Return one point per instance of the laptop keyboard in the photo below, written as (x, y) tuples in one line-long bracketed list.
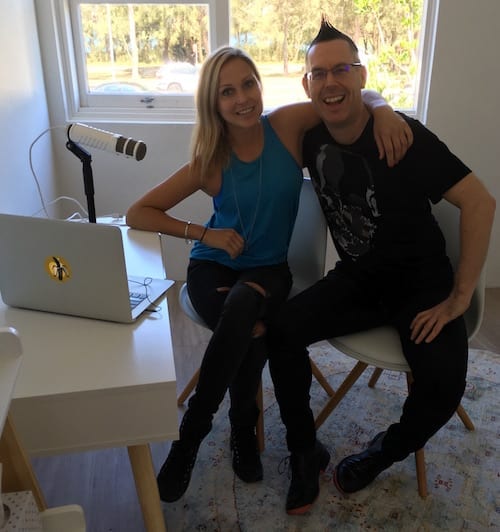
[(136, 298)]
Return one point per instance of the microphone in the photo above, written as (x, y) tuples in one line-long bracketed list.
[(107, 141)]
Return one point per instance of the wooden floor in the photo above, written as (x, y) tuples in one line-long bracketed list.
[(102, 483)]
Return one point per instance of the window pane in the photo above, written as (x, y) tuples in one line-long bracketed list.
[(146, 56), (137, 48), (276, 34)]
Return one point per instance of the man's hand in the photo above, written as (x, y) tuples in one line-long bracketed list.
[(392, 134), (428, 324)]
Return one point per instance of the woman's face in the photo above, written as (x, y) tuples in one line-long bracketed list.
[(239, 97)]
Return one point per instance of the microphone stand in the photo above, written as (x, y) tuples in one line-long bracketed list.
[(88, 179)]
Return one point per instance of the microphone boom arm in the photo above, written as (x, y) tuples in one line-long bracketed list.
[(88, 179)]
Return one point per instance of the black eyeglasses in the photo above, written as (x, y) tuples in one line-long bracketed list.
[(338, 71)]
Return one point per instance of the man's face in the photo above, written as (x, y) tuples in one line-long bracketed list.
[(334, 84)]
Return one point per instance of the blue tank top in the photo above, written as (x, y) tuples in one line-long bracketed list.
[(259, 199)]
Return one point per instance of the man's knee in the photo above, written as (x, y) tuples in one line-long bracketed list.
[(283, 331)]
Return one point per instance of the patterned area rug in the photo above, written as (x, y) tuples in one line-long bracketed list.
[(462, 466)]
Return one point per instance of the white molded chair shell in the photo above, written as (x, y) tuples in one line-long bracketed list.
[(60, 519), (188, 308), (10, 361), (69, 518), (10, 343)]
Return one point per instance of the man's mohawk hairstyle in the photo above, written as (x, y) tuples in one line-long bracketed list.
[(328, 32)]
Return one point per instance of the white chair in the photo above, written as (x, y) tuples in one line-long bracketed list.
[(306, 258), (18, 474), (69, 518), (381, 347)]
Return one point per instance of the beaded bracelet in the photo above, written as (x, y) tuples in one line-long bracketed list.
[(186, 239)]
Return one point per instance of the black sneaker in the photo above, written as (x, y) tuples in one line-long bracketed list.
[(304, 487), (175, 474), (246, 455), (358, 470)]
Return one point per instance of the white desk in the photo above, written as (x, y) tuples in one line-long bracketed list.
[(87, 384)]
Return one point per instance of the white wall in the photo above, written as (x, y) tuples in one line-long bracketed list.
[(464, 105), (23, 111), (463, 111)]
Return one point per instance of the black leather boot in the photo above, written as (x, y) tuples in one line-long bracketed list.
[(175, 473), (358, 470), (246, 455), (304, 487)]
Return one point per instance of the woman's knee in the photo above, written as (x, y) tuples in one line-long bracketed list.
[(243, 305)]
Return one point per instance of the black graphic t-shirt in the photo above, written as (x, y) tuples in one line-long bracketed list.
[(380, 217)]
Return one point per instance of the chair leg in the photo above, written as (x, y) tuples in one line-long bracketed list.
[(419, 456), (18, 474), (260, 420), (339, 394), (462, 414), (420, 459), (321, 378), (375, 376), (190, 386), (421, 473)]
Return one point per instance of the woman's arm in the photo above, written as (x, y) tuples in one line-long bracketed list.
[(149, 214), (392, 134)]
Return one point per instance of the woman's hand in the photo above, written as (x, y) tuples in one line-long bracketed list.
[(227, 239), (392, 134)]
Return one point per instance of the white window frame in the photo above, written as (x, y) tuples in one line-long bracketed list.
[(67, 66)]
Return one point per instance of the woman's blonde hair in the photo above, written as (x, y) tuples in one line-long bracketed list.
[(210, 148)]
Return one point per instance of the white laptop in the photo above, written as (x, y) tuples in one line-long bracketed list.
[(74, 268)]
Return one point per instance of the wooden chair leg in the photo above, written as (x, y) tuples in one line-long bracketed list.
[(18, 474), (339, 394), (375, 376), (419, 456), (462, 414), (421, 473), (190, 386), (260, 419), (321, 378)]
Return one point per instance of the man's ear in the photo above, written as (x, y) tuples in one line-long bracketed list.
[(305, 84), (364, 76)]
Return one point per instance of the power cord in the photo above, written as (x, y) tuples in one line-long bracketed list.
[(145, 284)]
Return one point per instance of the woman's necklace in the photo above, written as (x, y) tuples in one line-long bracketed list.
[(247, 231)]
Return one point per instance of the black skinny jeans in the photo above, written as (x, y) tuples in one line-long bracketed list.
[(343, 303), (233, 359)]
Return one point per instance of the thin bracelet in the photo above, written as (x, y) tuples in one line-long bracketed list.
[(186, 239), (203, 234)]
